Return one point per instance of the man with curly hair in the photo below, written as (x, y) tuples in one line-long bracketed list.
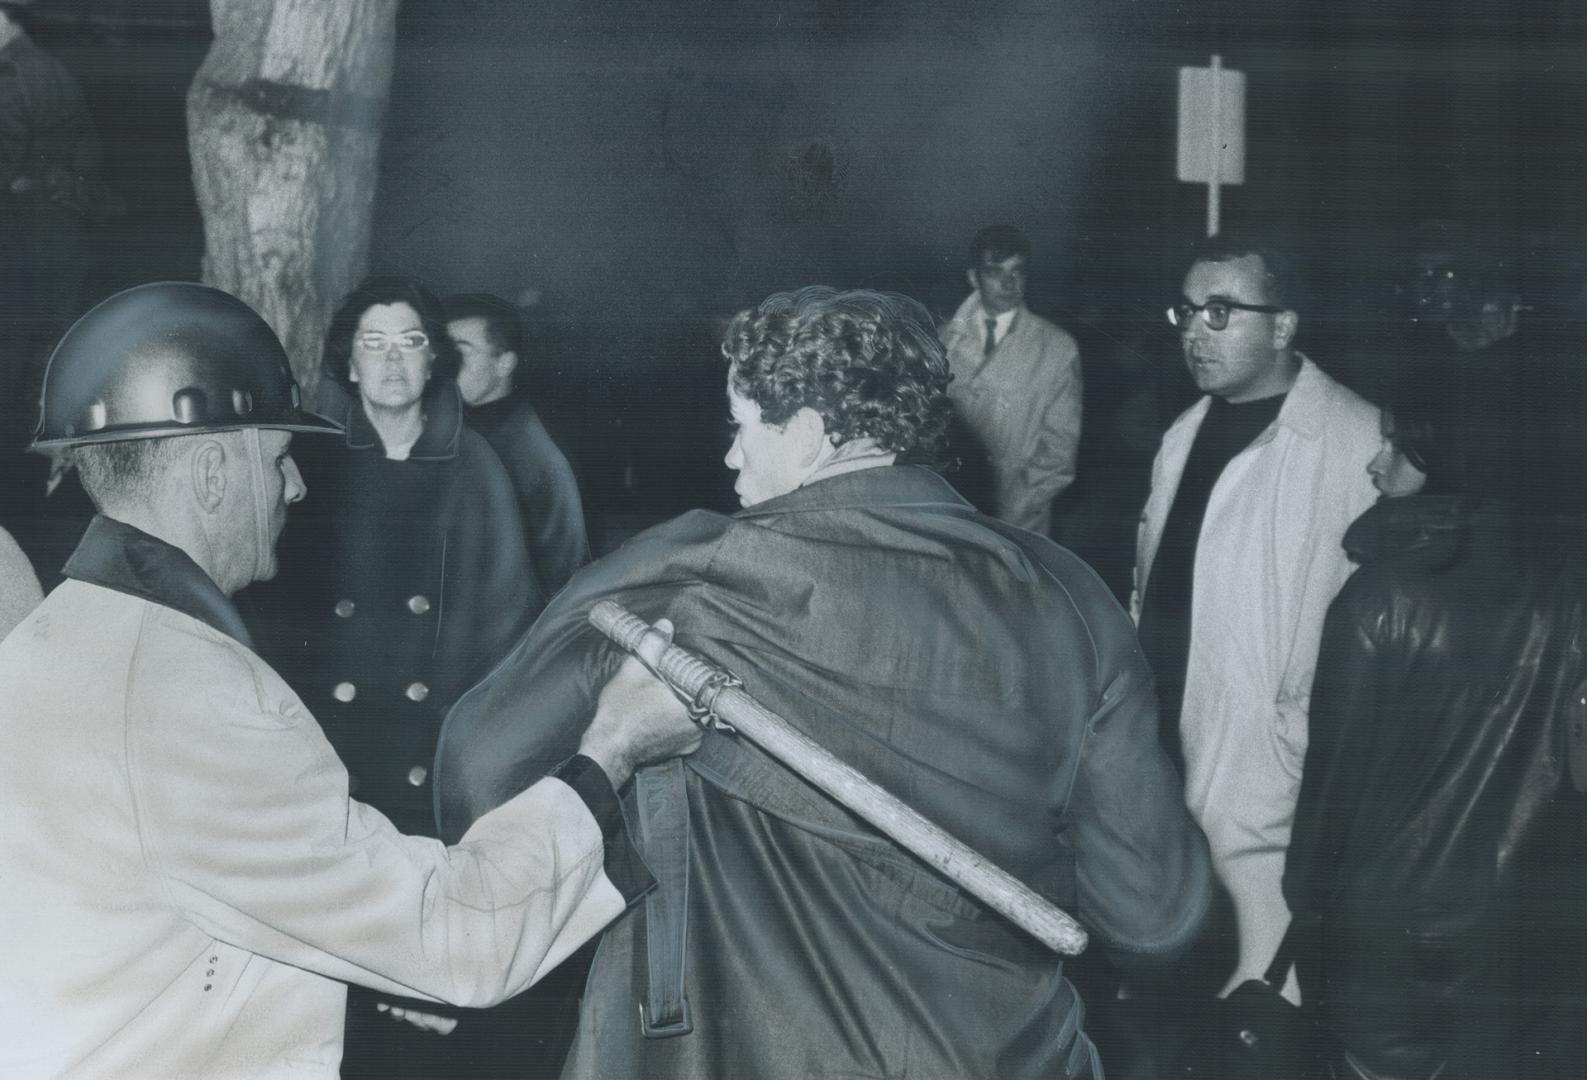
[(975, 670)]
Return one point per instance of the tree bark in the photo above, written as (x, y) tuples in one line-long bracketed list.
[(284, 120)]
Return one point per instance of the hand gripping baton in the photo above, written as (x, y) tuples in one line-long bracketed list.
[(717, 699)]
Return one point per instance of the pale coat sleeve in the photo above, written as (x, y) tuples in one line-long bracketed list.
[(1050, 468), (1346, 493), (243, 812), (19, 586)]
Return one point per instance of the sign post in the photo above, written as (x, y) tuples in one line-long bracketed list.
[(1212, 131)]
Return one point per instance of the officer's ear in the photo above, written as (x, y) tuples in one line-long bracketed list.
[(506, 363), (207, 473)]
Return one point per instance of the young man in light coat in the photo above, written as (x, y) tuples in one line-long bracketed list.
[(1017, 386), (1274, 468)]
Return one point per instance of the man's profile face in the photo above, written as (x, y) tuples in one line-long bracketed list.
[(1000, 283), (765, 457), (283, 486), (1247, 359), (479, 375), (249, 521)]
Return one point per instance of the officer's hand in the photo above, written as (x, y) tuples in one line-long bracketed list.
[(441, 1025), (638, 719)]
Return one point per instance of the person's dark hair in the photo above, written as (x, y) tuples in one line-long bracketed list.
[(387, 289), (504, 326), (1284, 285), (996, 243), (1497, 430), (1427, 429), (869, 363)]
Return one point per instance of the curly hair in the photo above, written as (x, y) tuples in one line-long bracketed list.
[(869, 363), (336, 357)]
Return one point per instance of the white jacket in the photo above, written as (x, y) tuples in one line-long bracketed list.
[(185, 884), (1268, 563), (19, 586)]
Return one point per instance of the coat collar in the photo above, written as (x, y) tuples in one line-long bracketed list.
[(883, 486), (1413, 523), (443, 424), (1305, 408), (115, 555)]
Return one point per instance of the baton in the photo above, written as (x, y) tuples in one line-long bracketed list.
[(715, 696)]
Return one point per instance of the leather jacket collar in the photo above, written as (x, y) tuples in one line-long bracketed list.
[(1429, 524), (115, 555)]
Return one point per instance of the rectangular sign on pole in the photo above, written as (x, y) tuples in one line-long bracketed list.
[(1212, 125), (1212, 131)]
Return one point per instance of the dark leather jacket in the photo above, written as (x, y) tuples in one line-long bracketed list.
[(973, 668), (1439, 853)]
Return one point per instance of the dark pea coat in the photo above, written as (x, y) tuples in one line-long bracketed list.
[(401, 583)]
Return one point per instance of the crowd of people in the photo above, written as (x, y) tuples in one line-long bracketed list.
[(317, 705)]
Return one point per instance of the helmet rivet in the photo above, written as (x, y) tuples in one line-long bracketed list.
[(241, 402), (189, 405)]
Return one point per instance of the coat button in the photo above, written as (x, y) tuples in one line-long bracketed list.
[(417, 775), (344, 692), (417, 691), (418, 604), (345, 608)]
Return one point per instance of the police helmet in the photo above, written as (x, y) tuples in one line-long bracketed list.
[(168, 358)]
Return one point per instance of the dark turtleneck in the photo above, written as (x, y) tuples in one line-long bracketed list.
[(1165, 608)]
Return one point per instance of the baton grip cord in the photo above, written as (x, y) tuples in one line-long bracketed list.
[(698, 682)]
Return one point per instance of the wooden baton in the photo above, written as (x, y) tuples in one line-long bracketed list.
[(699, 681)]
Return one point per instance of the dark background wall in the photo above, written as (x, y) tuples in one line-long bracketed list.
[(633, 171)]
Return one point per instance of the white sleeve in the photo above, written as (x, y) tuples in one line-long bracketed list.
[(244, 813)]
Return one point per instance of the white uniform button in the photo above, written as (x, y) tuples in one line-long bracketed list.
[(417, 691), (345, 608), (418, 604), (417, 774), (344, 692)]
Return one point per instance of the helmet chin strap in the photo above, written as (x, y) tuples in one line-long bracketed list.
[(261, 511)]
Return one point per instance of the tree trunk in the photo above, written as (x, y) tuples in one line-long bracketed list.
[(284, 120)]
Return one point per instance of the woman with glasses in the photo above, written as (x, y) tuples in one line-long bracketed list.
[(407, 578)]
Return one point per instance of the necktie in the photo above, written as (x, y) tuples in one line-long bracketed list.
[(991, 336)]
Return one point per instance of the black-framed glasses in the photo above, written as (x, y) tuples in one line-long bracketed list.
[(375, 341), (1215, 313)]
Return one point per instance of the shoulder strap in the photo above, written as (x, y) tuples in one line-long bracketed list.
[(664, 840)]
